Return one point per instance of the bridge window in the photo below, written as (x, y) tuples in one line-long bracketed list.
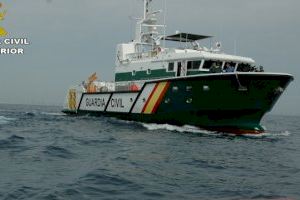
[(171, 67), (189, 65), (193, 65), (209, 63), (244, 67), (196, 64), (229, 67)]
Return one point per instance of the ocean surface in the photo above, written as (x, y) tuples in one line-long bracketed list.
[(47, 155)]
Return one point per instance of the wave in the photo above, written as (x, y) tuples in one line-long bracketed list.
[(59, 152), (6, 120), (53, 113), (20, 192), (33, 114), (270, 134), (11, 142), (30, 114), (193, 129), (180, 129)]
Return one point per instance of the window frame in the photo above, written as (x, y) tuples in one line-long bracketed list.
[(168, 67), (192, 65), (211, 60), (243, 63), (235, 65), (148, 71), (133, 73)]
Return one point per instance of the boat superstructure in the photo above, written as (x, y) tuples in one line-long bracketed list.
[(147, 58), (187, 84)]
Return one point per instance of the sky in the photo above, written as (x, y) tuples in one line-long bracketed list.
[(71, 39)]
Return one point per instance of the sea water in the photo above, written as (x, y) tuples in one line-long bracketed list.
[(45, 154)]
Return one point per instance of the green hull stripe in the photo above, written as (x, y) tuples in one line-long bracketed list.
[(155, 74), (142, 75)]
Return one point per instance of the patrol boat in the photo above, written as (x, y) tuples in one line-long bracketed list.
[(184, 85)]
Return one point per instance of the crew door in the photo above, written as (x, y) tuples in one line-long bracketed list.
[(181, 68), (178, 69)]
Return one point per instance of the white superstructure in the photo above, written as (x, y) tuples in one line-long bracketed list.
[(147, 58)]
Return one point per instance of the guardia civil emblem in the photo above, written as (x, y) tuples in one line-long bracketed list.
[(3, 32)]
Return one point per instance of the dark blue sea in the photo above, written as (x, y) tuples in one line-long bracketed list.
[(47, 155)]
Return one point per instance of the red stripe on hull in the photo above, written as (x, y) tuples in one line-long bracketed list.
[(161, 97), (149, 98)]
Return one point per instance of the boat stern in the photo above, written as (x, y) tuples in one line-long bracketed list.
[(72, 100)]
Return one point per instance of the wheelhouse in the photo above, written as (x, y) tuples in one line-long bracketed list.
[(154, 55)]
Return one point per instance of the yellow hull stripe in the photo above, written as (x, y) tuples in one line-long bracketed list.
[(155, 97)]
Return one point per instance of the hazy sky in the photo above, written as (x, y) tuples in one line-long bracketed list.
[(70, 39)]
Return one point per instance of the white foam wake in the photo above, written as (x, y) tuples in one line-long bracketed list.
[(5, 120), (270, 134), (53, 114), (193, 129), (180, 129)]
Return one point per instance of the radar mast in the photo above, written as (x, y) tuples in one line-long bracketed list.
[(147, 27)]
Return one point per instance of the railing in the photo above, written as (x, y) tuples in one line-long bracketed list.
[(139, 56), (129, 86)]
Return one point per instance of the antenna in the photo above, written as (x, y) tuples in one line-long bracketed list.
[(165, 27), (131, 20), (164, 42), (146, 8)]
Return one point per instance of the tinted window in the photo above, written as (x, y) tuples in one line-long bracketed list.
[(208, 63), (193, 64), (229, 66), (196, 64), (171, 67), (189, 65), (244, 67)]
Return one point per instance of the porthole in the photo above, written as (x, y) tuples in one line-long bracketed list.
[(175, 89), (189, 88), (206, 88), (167, 101), (189, 100)]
